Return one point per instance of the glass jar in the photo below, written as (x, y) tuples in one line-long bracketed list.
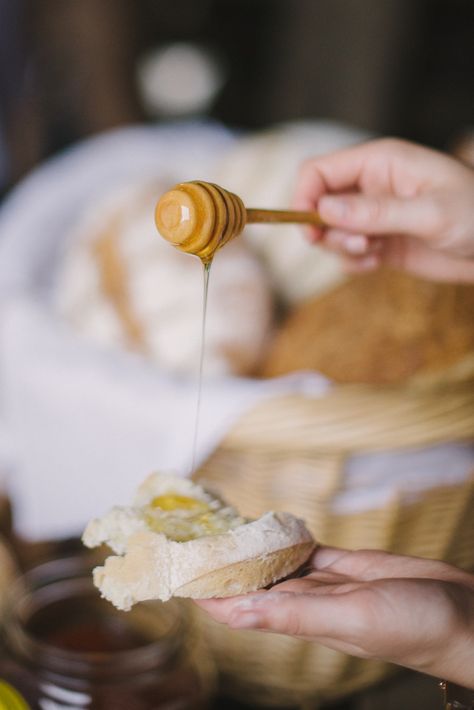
[(65, 647)]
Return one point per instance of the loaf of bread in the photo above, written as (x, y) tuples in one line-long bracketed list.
[(121, 284), (180, 540), (383, 327)]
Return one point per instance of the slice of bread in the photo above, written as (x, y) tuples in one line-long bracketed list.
[(180, 540)]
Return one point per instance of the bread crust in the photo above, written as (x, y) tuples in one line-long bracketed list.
[(149, 565), (245, 559)]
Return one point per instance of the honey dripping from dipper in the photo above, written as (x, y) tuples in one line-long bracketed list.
[(199, 218)]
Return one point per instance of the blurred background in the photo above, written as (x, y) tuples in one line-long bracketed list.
[(70, 69), (100, 320)]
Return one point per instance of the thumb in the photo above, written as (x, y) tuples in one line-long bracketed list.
[(379, 214)]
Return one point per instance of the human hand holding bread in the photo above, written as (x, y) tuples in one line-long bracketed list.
[(180, 540), (415, 612)]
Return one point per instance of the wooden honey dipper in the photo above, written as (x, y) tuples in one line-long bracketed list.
[(200, 217)]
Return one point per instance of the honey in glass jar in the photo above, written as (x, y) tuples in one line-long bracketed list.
[(65, 647)]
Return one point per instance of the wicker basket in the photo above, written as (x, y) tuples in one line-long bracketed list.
[(290, 455)]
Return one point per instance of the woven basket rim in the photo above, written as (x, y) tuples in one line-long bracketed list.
[(431, 409)]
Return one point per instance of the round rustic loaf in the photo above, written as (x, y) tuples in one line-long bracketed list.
[(382, 327), (121, 284)]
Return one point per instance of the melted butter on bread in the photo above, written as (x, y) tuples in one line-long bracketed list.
[(182, 518), (179, 539), (169, 505), (173, 501)]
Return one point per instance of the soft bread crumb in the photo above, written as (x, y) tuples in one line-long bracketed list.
[(149, 565)]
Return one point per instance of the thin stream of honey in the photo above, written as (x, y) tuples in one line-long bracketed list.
[(206, 272)]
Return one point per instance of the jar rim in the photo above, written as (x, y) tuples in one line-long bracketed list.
[(21, 606)]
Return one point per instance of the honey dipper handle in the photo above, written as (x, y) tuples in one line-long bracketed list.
[(292, 216)]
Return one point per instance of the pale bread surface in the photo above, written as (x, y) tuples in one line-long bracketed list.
[(245, 559)]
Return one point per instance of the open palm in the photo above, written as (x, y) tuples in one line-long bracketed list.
[(415, 612)]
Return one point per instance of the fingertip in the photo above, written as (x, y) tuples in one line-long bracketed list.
[(309, 185), (211, 607), (313, 235), (324, 556), (333, 208), (219, 609), (363, 264), (347, 242), (302, 202), (356, 244), (241, 619)]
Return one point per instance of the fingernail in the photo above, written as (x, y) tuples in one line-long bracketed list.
[(259, 600), (245, 620), (312, 234), (332, 206), (369, 262), (247, 603), (356, 244)]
